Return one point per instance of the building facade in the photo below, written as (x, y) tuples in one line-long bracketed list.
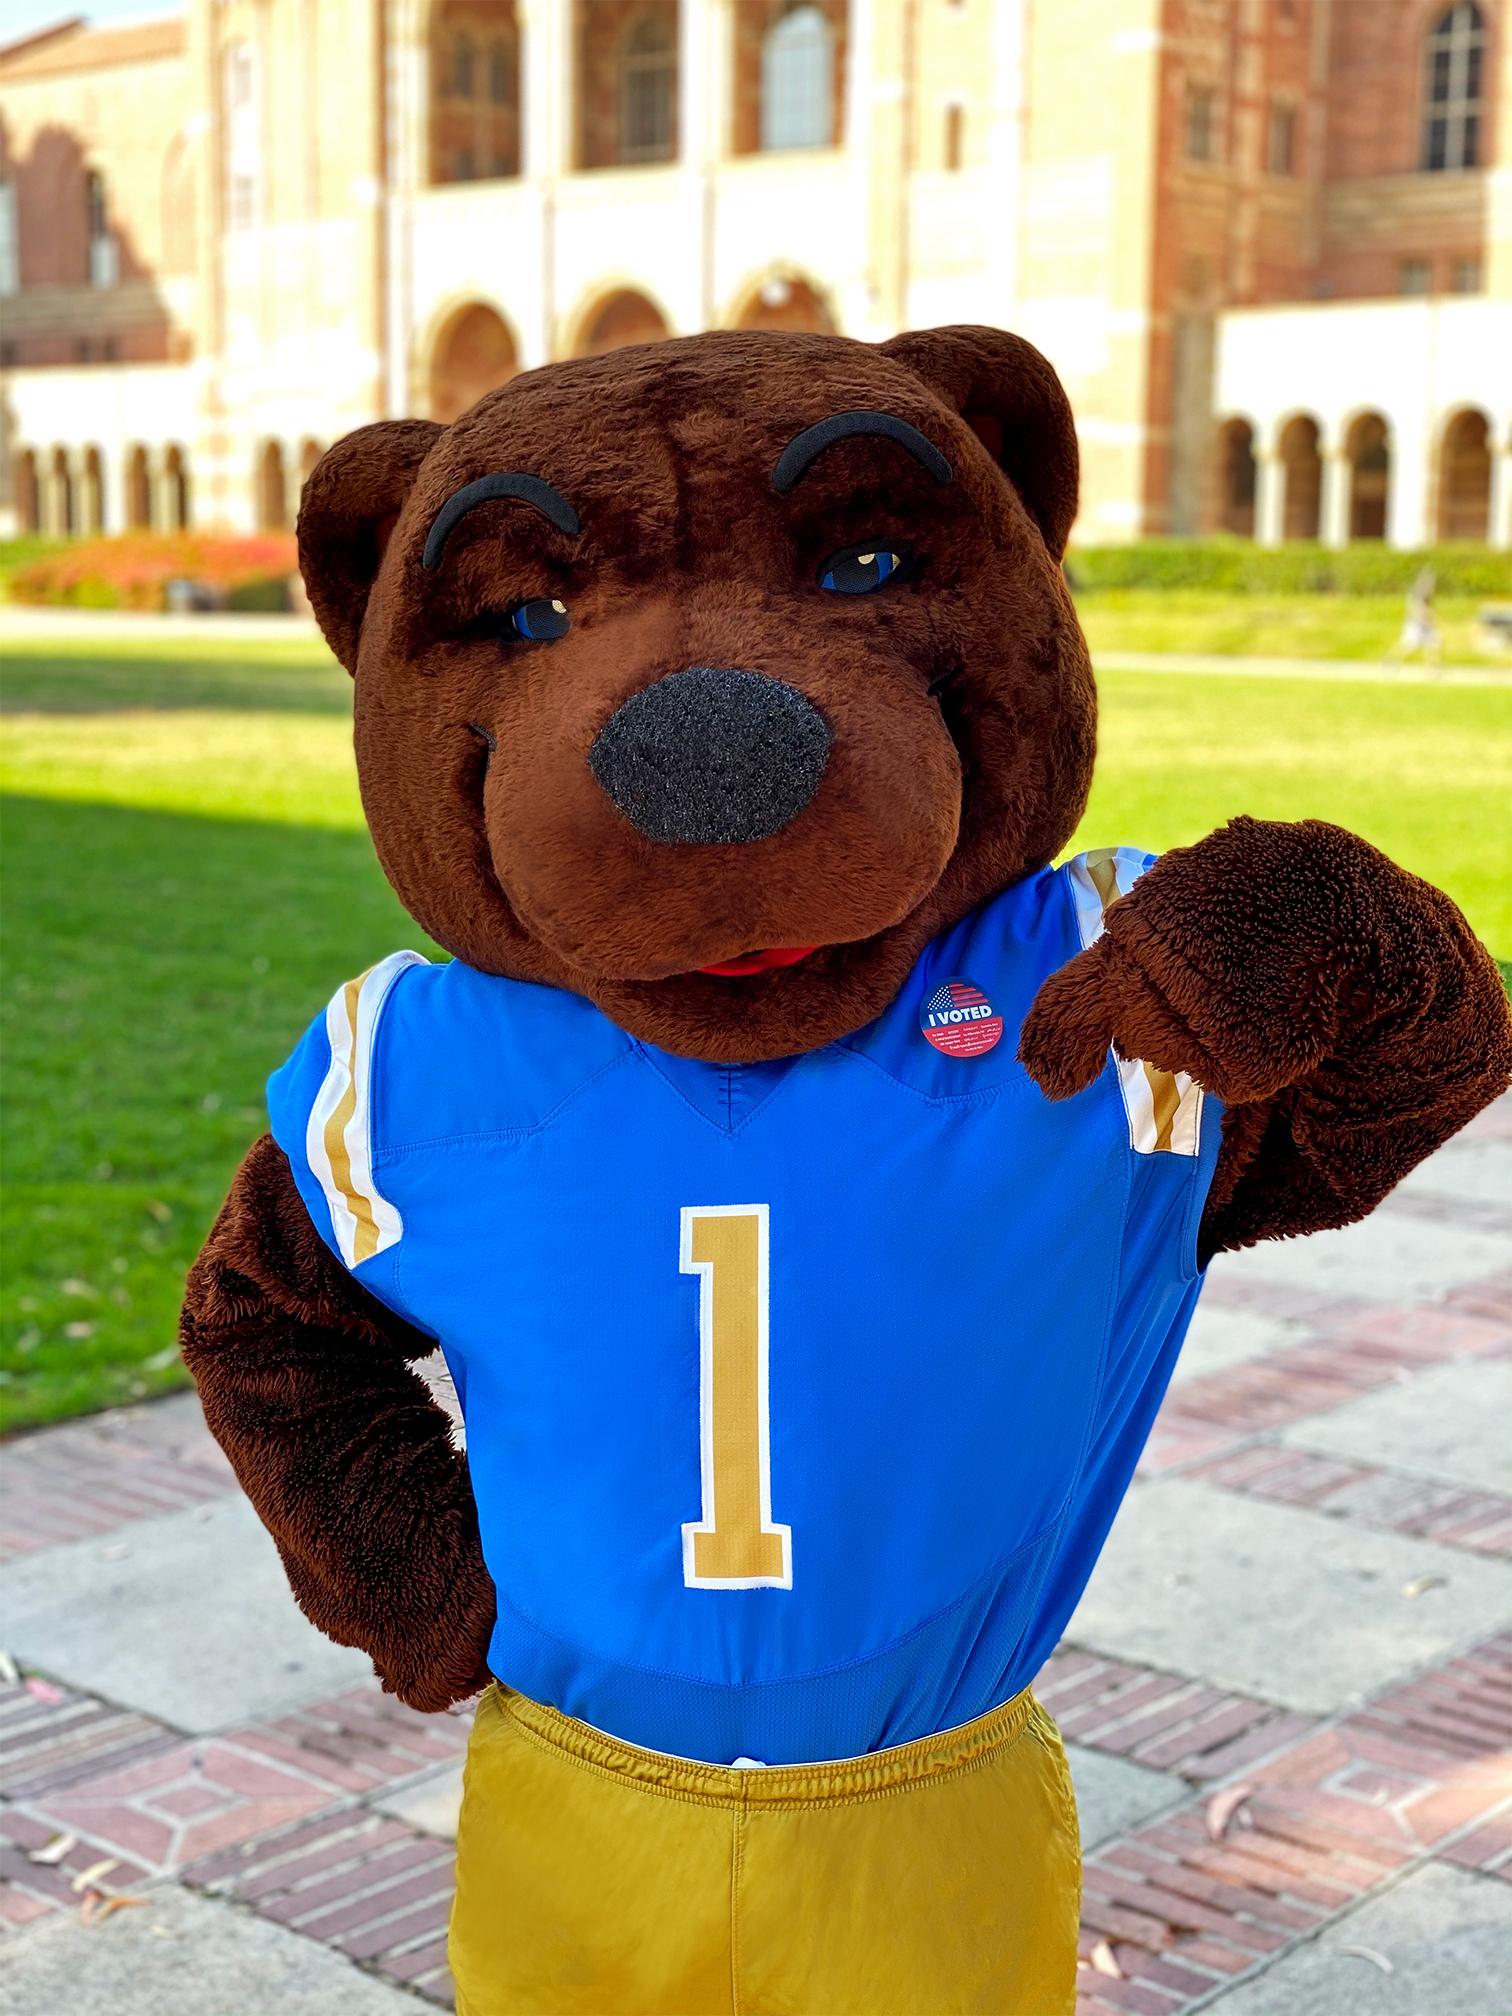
[(1267, 243)]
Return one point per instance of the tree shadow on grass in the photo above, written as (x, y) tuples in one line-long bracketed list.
[(158, 967), (296, 676)]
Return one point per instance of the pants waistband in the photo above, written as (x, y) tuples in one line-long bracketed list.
[(881, 1771)]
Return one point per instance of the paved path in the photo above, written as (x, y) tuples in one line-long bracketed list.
[(1288, 1691)]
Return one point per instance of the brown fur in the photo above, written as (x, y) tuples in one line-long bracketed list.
[(1341, 1008), (961, 703), (306, 1384)]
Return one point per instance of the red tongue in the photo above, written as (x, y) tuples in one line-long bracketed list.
[(759, 962)]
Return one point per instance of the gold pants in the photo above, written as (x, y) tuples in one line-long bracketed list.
[(595, 1879)]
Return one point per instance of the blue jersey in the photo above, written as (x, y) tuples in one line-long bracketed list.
[(799, 1396)]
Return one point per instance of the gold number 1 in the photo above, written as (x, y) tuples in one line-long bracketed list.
[(735, 1544)]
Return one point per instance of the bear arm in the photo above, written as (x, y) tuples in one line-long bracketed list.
[(307, 1385), (1422, 1042)]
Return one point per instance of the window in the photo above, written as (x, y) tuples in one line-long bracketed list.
[(464, 67), (243, 142), (1454, 58), (501, 73), (464, 165), (798, 80), (1281, 146), (1201, 122), (10, 239), (94, 203), (1466, 276), (104, 266), (955, 137), (648, 81), (1415, 276)]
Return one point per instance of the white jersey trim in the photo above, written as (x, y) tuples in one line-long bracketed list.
[(1164, 1108), (338, 1137)]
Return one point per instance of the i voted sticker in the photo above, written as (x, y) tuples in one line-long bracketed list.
[(959, 1020)]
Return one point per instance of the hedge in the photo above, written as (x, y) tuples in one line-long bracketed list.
[(134, 571), (1239, 567)]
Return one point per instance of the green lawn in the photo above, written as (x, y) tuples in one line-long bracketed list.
[(1274, 625), (187, 878)]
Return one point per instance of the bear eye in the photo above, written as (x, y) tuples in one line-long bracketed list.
[(540, 620), (859, 569)]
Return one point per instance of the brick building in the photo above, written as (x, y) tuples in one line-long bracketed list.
[(1268, 243)]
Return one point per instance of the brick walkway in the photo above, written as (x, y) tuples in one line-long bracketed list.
[(1287, 1696)]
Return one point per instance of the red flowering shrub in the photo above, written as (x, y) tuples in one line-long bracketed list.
[(133, 572)]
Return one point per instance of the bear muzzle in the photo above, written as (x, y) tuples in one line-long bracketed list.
[(712, 755)]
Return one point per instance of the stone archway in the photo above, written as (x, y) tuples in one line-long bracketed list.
[(1464, 478), (786, 301), (28, 492), (621, 318), (1236, 478), (1367, 450), (91, 492), (176, 489), (1301, 455), (272, 489), (473, 354), (138, 490), (61, 517)]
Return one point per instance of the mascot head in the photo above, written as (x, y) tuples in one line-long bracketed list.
[(711, 679)]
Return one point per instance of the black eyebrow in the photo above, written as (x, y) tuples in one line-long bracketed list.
[(508, 483), (801, 450)]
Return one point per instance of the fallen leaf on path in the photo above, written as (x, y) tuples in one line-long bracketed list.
[(1104, 1960), (1421, 1583), (55, 1850), (88, 1879), (1369, 1953), (1222, 1807), (98, 1907)]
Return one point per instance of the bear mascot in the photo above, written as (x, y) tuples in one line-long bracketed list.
[(807, 1183)]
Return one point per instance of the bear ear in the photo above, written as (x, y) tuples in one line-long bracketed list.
[(350, 503), (1008, 394)]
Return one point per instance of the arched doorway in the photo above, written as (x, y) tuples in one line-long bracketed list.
[(92, 493), (1464, 501), (475, 90), (28, 498), (625, 317), (1236, 478), (1302, 478), (787, 302), (176, 489), (60, 501), (1367, 449), (138, 490), (272, 489), (473, 354)]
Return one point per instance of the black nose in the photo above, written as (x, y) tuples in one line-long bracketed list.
[(712, 755)]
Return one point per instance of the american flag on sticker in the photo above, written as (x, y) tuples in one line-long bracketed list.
[(959, 1020)]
